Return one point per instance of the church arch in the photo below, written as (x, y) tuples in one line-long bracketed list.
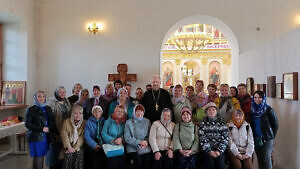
[(222, 27)]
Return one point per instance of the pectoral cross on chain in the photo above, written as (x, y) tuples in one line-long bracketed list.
[(156, 107)]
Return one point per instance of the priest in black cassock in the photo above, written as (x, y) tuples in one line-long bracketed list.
[(156, 100)]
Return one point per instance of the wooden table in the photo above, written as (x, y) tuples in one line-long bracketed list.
[(12, 131)]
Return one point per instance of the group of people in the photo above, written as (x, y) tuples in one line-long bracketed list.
[(157, 129)]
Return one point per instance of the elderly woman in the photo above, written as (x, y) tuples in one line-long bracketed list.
[(265, 125), (94, 154), (41, 128), (199, 111), (123, 100), (136, 136), (72, 138), (213, 135), (109, 92), (226, 103), (75, 91), (241, 142), (112, 133), (179, 101), (83, 96), (160, 139), (61, 109), (191, 96), (185, 140), (212, 92)]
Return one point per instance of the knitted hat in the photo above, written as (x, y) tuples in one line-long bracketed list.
[(186, 109), (210, 104), (97, 107)]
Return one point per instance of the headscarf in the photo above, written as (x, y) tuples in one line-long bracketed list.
[(259, 109), (74, 136), (162, 116), (116, 119), (138, 107), (118, 98), (238, 124), (99, 122), (36, 102), (56, 93), (199, 105)]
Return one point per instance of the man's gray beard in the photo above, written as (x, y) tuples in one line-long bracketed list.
[(155, 89)]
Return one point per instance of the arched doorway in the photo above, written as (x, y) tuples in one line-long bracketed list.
[(208, 43)]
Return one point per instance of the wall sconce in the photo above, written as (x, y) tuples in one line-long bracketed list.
[(94, 27), (297, 20)]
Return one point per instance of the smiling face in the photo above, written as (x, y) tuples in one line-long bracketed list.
[(242, 90), (139, 94), (211, 91), (41, 97), (186, 117), (167, 116), (177, 92), (139, 113), (189, 92), (224, 91), (199, 87), (233, 92), (96, 92), (120, 113), (211, 112), (123, 95), (257, 98), (200, 98), (77, 89), (84, 96), (155, 82), (97, 113), (77, 115), (62, 93), (109, 90)]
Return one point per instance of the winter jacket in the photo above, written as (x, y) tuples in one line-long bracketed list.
[(129, 111), (90, 131), (134, 132), (111, 130), (186, 137), (35, 121), (241, 139), (66, 132), (159, 138), (213, 135), (268, 124)]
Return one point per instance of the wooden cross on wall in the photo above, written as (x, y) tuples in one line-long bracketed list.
[(123, 76)]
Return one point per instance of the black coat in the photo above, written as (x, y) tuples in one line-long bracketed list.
[(268, 124), (35, 121), (89, 104)]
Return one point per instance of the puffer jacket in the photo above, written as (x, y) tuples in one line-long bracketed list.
[(35, 121), (90, 131), (111, 130), (134, 132), (241, 139), (159, 137)]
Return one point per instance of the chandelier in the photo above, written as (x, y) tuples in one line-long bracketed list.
[(189, 42)]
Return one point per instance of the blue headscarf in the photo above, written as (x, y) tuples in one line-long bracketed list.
[(134, 117), (259, 109), (36, 102)]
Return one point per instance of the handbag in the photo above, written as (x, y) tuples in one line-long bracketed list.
[(112, 150), (141, 151)]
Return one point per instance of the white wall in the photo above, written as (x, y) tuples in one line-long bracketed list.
[(18, 19), (134, 32), (281, 55)]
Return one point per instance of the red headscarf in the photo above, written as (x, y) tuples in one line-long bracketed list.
[(240, 123)]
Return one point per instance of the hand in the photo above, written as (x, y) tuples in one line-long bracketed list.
[(157, 155), (188, 153), (143, 143), (118, 141), (45, 129), (245, 157), (217, 153), (182, 152), (70, 150), (170, 153), (97, 147), (239, 156), (212, 154)]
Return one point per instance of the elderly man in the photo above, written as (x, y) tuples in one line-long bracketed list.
[(155, 100)]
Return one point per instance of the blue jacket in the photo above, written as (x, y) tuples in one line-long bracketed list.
[(136, 131), (111, 130), (90, 131), (113, 105)]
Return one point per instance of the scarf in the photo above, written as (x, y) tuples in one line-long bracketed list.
[(56, 93), (176, 100), (74, 136), (135, 118), (37, 103), (259, 109), (238, 124), (225, 99), (244, 99), (200, 105), (99, 129)]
